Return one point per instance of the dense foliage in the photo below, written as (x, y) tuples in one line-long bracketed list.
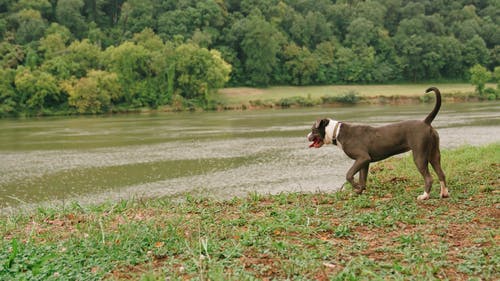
[(93, 56)]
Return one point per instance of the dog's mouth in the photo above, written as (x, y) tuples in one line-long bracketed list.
[(316, 143)]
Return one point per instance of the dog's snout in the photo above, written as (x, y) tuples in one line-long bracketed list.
[(309, 136)]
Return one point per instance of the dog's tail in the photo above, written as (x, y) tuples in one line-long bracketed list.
[(435, 111)]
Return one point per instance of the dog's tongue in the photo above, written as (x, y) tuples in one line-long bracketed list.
[(314, 143)]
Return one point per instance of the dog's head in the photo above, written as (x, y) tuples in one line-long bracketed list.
[(318, 132)]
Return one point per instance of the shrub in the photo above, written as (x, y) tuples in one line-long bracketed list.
[(491, 94), (94, 93), (427, 98), (297, 100), (351, 97), (328, 99)]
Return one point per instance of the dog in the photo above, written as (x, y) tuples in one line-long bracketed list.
[(366, 144)]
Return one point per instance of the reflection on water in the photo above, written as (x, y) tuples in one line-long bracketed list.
[(92, 159)]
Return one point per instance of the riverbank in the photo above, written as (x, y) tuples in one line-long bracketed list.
[(385, 233), (282, 97), (335, 95)]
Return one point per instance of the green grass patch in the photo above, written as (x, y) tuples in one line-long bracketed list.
[(384, 234)]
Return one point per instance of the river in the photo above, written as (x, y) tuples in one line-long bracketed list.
[(93, 159)]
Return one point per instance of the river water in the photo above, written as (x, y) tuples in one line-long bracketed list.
[(224, 154)]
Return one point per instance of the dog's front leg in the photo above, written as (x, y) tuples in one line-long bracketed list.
[(359, 164), (363, 175)]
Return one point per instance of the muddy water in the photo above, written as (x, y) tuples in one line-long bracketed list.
[(94, 159)]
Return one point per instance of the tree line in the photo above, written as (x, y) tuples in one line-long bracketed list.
[(93, 56)]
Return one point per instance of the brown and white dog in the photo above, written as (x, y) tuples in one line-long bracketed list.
[(366, 144)]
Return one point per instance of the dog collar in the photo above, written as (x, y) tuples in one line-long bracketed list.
[(332, 131)]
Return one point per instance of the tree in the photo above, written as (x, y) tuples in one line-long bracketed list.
[(43, 6), (341, 16), (96, 35), (310, 30), (30, 26), (52, 45), (136, 15), (301, 65), (467, 29), (178, 22), (496, 77), (199, 72), (201, 38), (475, 52), (68, 13), (8, 102), (11, 55), (64, 32), (260, 44), (104, 13), (432, 59), (356, 65), (149, 40), (479, 75), (158, 88), (93, 93), (247, 7), (371, 10), (133, 64), (59, 67), (412, 9), (490, 31), (361, 32), (411, 50), (325, 53), (39, 90), (410, 46), (450, 51), (75, 60)]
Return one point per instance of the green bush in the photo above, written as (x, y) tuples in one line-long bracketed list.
[(491, 94), (328, 99), (427, 98), (297, 100), (350, 97)]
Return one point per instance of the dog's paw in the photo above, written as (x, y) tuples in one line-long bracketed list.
[(358, 191), (444, 191), (444, 194), (424, 196)]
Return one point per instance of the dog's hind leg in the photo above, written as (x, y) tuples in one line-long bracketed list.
[(435, 159), (423, 167)]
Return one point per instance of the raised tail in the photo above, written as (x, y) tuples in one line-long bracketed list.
[(435, 111)]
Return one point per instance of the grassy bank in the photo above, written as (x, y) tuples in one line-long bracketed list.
[(314, 95), (382, 235)]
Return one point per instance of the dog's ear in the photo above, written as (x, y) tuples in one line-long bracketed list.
[(318, 123), (321, 123)]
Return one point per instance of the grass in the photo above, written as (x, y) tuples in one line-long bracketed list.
[(384, 234), (273, 95)]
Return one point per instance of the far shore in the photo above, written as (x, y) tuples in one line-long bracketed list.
[(296, 96)]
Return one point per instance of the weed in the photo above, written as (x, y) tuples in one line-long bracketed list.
[(342, 231)]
